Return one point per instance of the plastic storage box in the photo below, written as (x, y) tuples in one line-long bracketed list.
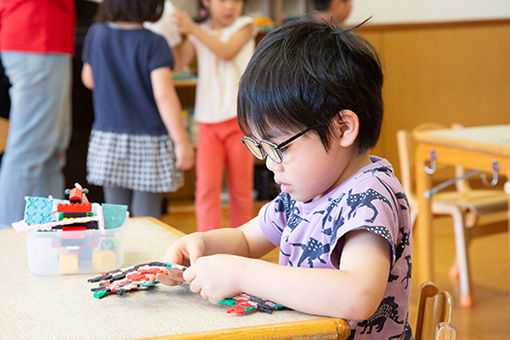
[(73, 252)]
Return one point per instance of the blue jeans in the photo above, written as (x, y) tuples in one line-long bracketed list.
[(39, 131)]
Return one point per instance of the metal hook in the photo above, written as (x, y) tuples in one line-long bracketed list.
[(495, 178), (432, 168)]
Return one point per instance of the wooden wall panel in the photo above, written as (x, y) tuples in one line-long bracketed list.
[(437, 72), (442, 73)]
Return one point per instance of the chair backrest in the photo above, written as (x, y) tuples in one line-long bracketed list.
[(434, 307), (446, 331), (406, 147)]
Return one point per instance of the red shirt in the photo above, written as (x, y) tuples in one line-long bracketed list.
[(37, 26)]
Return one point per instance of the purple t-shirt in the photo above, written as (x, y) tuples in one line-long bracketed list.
[(312, 234)]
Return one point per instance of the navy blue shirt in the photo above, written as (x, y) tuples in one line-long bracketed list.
[(121, 62)]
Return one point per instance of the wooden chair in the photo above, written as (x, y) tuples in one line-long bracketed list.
[(475, 212), (435, 309), (446, 331)]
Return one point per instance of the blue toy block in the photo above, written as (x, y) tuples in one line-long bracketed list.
[(37, 210), (114, 215)]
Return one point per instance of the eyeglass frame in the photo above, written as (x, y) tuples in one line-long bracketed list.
[(275, 147)]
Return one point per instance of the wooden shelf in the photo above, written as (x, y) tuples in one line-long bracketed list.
[(179, 83)]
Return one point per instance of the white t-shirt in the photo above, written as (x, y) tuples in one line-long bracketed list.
[(218, 79)]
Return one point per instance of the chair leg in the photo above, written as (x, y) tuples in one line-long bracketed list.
[(466, 300)]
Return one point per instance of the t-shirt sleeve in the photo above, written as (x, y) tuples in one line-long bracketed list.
[(273, 216), (243, 21), (374, 208), (160, 54), (85, 55)]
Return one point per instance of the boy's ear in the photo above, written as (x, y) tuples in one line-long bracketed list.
[(205, 3), (348, 127)]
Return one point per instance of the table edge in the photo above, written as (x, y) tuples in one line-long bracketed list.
[(335, 327), (427, 137)]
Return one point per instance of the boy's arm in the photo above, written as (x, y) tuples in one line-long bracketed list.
[(86, 76), (224, 50), (247, 241), (354, 291), (170, 110)]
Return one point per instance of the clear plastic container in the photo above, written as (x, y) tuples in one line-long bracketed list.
[(74, 252)]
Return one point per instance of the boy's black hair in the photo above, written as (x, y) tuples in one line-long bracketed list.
[(321, 5), (130, 10), (303, 74)]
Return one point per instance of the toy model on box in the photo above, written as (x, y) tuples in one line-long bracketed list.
[(72, 236), (76, 236)]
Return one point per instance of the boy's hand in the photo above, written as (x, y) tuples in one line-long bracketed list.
[(185, 251), (216, 277), (184, 156)]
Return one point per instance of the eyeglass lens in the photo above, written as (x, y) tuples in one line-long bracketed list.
[(260, 150), (253, 147), (271, 151)]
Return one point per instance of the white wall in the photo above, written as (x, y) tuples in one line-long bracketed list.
[(190, 6), (411, 11)]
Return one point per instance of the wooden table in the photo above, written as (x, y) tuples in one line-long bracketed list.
[(33, 306), (473, 148)]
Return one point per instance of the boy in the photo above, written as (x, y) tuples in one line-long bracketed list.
[(310, 101)]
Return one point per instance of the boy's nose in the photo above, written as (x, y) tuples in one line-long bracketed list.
[(273, 166)]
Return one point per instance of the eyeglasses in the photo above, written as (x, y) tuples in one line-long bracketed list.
[(266, 148)]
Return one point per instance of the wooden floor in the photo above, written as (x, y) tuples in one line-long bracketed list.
[(488, 319)]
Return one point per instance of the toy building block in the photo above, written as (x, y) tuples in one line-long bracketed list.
[(104, 260), (108, 243), (74, 214), (68, 263), (77, 194), (121, 281), (114, 215), (69, 208), (38, 210), (245, 303)]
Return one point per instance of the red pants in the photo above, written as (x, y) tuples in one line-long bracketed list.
[(220, 144)]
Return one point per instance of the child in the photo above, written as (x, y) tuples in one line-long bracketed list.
[(311, 101), (223, 45), (138, 143), (332, 11)]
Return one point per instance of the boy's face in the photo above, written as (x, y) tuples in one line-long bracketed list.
[(224, 12), (307, 171)]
